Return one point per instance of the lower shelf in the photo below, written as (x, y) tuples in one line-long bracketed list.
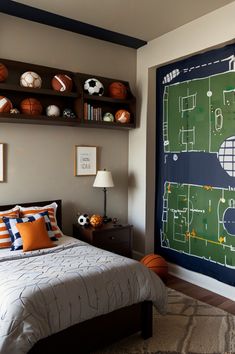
[(44, 120)]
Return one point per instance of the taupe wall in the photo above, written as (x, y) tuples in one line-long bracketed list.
[(40, 158)]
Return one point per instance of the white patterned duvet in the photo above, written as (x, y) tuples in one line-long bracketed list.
[(43, 292)]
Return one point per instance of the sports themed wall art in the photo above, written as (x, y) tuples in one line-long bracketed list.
[(195, 202)]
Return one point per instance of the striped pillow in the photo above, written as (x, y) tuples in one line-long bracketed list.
[(51, 209), (16, 240), (5, 239)]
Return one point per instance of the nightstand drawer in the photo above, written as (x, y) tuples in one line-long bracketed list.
[(118, 241)]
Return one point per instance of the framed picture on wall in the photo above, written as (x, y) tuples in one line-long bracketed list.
[(85, 160), (1, 162)]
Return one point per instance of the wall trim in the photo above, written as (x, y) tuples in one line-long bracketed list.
[(137, 255), (31, 13), (203, 281)]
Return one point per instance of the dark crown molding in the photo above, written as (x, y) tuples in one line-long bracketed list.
[(30, 13)]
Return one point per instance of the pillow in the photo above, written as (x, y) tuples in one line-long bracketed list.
[(16, 241), (51, 208), (5, 239), (34, 235)]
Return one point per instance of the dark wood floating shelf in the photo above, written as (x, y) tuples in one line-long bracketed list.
[(38, 91), (77, 100), (106, 99), (74, 122)]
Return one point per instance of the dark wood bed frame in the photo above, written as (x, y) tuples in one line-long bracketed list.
[(100, 331)]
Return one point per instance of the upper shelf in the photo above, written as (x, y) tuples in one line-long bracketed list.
[(74, 100)]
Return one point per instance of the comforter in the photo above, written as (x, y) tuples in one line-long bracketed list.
[(45, 291)]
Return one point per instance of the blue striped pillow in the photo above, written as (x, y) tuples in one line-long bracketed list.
[(14, 233)]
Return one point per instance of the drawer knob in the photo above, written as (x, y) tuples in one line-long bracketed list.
[(112, 237)]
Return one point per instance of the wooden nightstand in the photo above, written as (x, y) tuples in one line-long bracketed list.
[(116, 239)]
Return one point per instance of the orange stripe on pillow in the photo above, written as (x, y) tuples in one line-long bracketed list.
[(51, 213), (5, 239)]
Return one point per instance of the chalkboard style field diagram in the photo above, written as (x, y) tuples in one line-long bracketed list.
[(195, 202)]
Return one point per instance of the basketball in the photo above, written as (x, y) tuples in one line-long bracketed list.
[(5, 105), (157, 264), (122, 116), (117, 90), (96, 220), (62, 83), (31, 106), (3, 72)]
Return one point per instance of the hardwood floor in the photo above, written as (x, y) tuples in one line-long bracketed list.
[(201, 294)]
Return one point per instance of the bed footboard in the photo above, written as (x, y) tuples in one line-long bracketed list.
[(99, 332)]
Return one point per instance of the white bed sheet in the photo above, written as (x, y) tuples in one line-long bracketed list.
[(43, 292)]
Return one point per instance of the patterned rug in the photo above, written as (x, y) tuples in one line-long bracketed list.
[(190, 327)]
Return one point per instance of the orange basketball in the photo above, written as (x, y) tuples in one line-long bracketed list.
[(122, 116), (157, 264), (117, 90), (3, 72), (31, 106), (96, 220)]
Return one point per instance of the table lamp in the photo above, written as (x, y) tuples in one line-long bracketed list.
[(104, 180)]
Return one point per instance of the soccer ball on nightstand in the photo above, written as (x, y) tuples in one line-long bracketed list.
[(83, 220), (93, 87)]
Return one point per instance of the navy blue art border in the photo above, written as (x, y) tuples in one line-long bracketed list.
[(211, 269)]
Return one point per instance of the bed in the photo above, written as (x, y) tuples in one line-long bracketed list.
[(73, 298)]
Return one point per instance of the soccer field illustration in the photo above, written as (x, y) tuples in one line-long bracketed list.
[(199, 221), (198, 115)]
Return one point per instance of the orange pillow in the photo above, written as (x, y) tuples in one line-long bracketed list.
[(52, 216), (34, 235)]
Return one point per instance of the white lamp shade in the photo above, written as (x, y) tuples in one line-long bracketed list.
[(103, 179)]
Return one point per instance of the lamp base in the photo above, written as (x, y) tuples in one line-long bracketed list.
[(106, 219)]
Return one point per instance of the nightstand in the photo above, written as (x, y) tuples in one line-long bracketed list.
[(116, 239)]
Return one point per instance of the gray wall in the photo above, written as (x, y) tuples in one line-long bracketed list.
[(40, 159)]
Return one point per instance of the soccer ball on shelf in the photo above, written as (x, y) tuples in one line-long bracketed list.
[(94, 87), (108, 117), (83, 220), (68, 113), (30, 79)]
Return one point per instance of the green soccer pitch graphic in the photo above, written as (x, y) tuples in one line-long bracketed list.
[(199, 114), (199, 221)]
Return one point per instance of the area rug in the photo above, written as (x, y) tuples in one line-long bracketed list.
[(189, 327)]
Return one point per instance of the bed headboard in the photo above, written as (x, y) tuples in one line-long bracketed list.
[(58, 211)]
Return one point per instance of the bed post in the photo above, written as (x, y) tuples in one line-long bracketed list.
[(146, 319)]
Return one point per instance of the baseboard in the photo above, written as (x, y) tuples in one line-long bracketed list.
[(203, 281), (137, 255)]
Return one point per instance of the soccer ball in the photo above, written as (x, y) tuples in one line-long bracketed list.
[(30, 79), (108, 117), (93, 87), (83, 220), (68, 113)]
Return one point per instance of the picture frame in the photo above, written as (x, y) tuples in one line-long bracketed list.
[(85, 160), (1, 162)]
